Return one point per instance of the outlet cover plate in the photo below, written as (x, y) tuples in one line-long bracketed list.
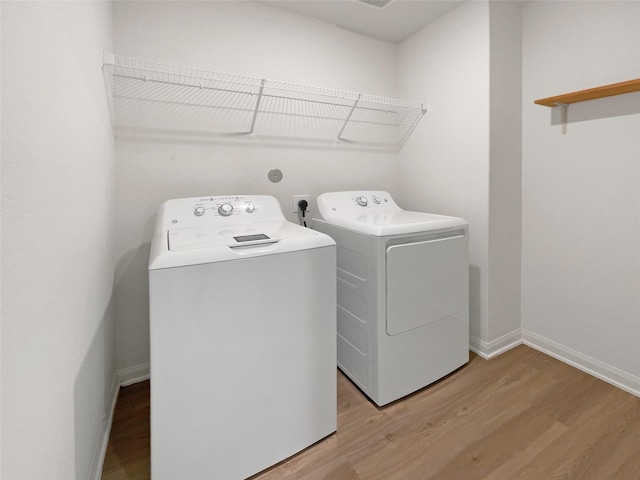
[(296, 199)]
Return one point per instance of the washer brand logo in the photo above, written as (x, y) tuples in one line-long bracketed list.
[(210, 199)]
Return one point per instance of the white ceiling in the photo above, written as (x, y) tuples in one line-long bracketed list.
[(394, 23)]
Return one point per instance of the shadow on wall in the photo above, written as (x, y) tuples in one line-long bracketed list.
[(131, 306), (91, 395), (475, 308), (617, 106), (200, 137)]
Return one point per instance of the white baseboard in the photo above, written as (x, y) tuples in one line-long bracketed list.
[(598, 369), (496, 347), (130, 375), (101, 448)]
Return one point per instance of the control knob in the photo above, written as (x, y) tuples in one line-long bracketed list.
[(362, 201), (199, 211), (225, 209), (251, 208), (376, 200)]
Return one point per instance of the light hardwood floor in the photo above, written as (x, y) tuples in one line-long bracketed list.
[(522, 415)]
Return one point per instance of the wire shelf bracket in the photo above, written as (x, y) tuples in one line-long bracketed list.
[(255, 111), (346, 121)]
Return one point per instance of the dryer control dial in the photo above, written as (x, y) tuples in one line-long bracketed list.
[(376, 200), (199, 211), (362, 201), (225, 209), (251, 208)]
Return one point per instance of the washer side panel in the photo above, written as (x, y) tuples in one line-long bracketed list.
[(242, 363)]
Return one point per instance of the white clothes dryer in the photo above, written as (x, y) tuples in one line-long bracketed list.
[(242, 332), (403, 292)]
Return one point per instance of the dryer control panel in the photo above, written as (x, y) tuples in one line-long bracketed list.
[(375, 213), (348, 204), (218, 210)]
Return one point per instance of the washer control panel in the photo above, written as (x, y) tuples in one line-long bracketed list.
[(225, 209), (219, 210)]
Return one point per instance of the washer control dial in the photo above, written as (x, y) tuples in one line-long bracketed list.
[(225, 209), (251, 208), (199, 211), (362, 201), (376, 200)]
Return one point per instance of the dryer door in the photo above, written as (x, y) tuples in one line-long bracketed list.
[(426, 282)]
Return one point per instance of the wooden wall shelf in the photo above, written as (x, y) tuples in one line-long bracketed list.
[(591, 94)]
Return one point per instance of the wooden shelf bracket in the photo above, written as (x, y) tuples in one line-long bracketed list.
[(564, 112)]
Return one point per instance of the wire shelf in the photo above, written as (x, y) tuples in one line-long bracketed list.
[(170, 99)]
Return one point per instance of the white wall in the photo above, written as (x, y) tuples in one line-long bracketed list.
[(581, 191), (248, 39), (445, 164), (57, 230), (505, 176)]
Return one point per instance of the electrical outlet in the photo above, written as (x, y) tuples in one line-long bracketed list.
[(296, 199)]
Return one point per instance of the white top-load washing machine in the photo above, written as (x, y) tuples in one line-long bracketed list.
[(242, 332), (403, 292)]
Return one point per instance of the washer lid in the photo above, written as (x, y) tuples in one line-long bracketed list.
[(235, 235), (183, 247)]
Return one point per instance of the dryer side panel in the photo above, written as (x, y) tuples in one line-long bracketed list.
[(356, 313)]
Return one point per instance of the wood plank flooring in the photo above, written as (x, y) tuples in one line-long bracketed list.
[(522, 415)]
